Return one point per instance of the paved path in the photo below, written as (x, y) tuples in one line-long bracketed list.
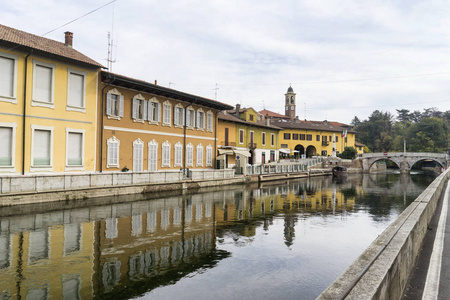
[(431, 277)]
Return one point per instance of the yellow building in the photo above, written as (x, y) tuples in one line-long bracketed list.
[(243, 132), (48, 93), (147, 127), (308, 138), (359, 148)]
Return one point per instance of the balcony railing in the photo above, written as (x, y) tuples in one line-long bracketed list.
[(325, 143), (252, 145), (228, 143)]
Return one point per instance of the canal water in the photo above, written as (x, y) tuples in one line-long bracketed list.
[(278, 240)]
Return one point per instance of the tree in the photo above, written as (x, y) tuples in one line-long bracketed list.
[(349, 153), (403, 115), (429, 135), (355, 122)]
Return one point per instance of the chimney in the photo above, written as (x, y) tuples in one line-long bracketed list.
[(68, 39), (156, 82), (268, 122), (238, 108)]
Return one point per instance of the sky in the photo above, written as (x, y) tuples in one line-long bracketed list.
[(342, 58)]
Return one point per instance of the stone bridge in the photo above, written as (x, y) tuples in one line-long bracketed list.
[(404, 160)]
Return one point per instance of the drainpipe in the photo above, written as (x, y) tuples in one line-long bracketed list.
[(215, 139), (101, 120), (24, 112), (184, 140)]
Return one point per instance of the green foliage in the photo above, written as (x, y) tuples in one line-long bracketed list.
[(349, 153), (366, 149), (422, 132)]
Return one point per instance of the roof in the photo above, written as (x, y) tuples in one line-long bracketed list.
[(312, 125), (290, 89), (272, 114), (44, 46), (358, 144), (140, 85), (231, 118)]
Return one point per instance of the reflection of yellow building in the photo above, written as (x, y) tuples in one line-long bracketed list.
[(48, 100), (49, 262)]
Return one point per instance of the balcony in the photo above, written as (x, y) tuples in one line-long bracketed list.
[(325, 143), (252, 145), (228, 143)]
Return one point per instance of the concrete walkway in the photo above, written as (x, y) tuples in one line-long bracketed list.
[(430, 279)]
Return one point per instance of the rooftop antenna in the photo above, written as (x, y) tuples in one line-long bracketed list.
[(264, 105), (215, 92), (305, 110), (111, 45)]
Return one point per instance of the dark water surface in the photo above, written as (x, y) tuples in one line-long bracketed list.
[(281, 240)]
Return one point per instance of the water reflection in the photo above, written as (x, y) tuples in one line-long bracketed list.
[(281, 239)]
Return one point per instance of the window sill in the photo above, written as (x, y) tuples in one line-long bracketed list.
[(43, 104), (8, 99), (178, 126), (139, 121), (77, 109), (74, 168), (41, 169), (200, 129), (190, 128), (114, 118), (153, 123), (112, 166), (9, 169), (166, 124)]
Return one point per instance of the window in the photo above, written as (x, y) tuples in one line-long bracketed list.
[(167, 113), (295, 136), (113, 152), (251, 117), (190, 118), (38, 247), (178, 115), (152, 156), (200, 119), (43, 84), (287, 136), (139, 109), (241, 136), (190, 155), (209, 156), (263, 138), (318, 138), (337, 138), (209, 121), (138, 154), (8, 77), (165, 154), (72, 238), (199, 155), (154, 111), (309, 137), (76, 90), (114, 104), (7, 145), (74, 147), (42, 145), (178, 161), (272, 139)]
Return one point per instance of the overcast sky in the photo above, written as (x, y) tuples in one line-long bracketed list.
[(343, 58)]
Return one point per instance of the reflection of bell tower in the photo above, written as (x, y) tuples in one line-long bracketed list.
[(290, 103)]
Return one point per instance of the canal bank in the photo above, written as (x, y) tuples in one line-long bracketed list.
[(383, 269)]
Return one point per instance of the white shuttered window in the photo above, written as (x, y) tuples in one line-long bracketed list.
[(41, 149), (76, 89), (6, 146), (138, 153), (43, 83), (75, 149), (152, 156), (7, 77)]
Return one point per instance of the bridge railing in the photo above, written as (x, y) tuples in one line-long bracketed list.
[(405, 154)]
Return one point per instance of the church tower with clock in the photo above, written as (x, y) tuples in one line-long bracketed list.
[(290, 103)]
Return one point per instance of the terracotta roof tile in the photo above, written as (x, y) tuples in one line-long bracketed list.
[(28, 40)]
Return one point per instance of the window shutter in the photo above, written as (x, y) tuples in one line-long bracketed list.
[(204, 120), (133, 111), (144, 109), (108, 104), (120, 106), (7, 82), (184, 116), (198, 119), (158, 112)]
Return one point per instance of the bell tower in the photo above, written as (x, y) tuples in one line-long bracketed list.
[(290, 103)]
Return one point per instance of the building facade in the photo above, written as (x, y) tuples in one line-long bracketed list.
[(255, 138), (144, 127), (48, 94)]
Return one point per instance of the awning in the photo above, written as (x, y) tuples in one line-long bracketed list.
[(242, 152), (225, 151), (295, 151), (286, 151)]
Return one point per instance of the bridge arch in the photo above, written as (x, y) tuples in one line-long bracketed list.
[(426, 159), (399, 165)]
